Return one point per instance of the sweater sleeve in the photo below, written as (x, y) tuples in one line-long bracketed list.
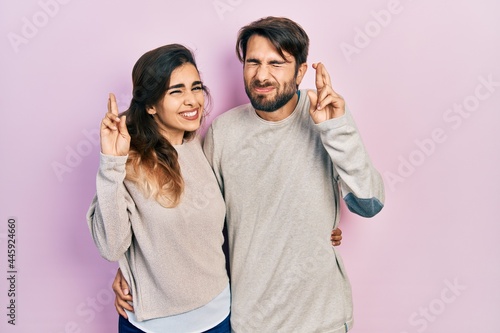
[(360, 183), (108, 215), (212, 156)]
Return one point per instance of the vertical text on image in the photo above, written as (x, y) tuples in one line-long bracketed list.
[(11, 270)]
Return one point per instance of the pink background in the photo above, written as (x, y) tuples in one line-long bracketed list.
[(421, 77)]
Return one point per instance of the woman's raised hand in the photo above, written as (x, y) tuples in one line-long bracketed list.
[(115, 139)]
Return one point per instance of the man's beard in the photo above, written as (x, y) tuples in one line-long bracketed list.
[(261, 103)]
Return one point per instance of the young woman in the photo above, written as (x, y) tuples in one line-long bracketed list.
[(158, 210)]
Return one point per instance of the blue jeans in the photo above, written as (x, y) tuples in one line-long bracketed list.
[(124, 326), (222, 327)]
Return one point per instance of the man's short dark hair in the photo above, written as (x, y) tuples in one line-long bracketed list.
[(285, 34)]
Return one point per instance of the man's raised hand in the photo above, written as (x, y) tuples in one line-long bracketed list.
[(325, 102)]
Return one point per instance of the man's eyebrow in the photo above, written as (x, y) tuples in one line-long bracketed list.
[(272, 62), (253, 60)]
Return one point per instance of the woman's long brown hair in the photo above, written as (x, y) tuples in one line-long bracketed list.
[(153, 161)]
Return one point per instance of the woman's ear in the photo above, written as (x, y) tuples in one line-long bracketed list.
[(151, 110)]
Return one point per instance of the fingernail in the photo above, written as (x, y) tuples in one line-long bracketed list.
[(125, 291)]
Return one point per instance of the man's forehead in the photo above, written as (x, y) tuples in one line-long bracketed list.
[(261, 48)]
